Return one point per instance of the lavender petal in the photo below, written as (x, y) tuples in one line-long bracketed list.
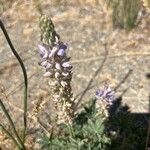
[(43, 51), (61, 52), (44, 63), (63, 46)]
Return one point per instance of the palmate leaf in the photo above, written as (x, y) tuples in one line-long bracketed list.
[(45, 142), (76, 143), (87, 132), (93, 127), (88, 112)]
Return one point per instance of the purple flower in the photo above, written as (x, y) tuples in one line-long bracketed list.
[(43, 51), (106, 94), (54, 60), (44, 63), (63, 46), (49, 65), (61, 52)]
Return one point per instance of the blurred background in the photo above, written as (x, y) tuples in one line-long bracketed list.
[(108, 43)]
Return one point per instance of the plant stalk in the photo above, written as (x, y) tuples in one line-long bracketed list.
[(12, 124), (24, 74), (10, 136)]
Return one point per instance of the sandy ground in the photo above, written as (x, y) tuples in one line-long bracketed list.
[(118, 55)]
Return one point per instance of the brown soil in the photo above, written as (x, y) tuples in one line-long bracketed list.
[(88, 31)]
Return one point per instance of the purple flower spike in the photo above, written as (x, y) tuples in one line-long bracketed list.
[(106, 94), (43, 51)]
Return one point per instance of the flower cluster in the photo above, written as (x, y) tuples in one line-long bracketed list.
[(105, 98), (53, 55), (56, 62), (106, 94)]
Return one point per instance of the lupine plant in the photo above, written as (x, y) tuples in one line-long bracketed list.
[(105, 98), (54, 59), (93, 127), (85, 130)]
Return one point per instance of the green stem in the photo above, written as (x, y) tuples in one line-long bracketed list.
[(10, 136), (12, 124), (70, 130), (24, 74)]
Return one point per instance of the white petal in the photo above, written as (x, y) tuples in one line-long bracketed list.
[(47, 74), (44, 63), (57, 65), (65, 74), (63, 83), (61, 52), (48, 65), (52, 53), (66, 64), (57, 75), (109, 89), (56, 39)]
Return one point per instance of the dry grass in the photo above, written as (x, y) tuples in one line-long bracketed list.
[(126, 50)]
